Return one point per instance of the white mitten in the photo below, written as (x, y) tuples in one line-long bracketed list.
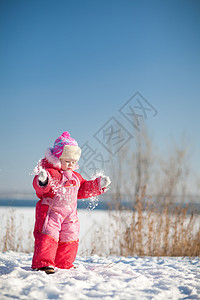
[(105, 181), (42, 176)]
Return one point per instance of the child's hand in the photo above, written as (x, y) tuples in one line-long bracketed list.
[(42, 177), (105, 181)]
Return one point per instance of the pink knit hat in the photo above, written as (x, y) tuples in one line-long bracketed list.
[(66, 147)]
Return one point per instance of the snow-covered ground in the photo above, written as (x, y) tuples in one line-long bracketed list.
[(101, 278), (108, 277), (21, 222)]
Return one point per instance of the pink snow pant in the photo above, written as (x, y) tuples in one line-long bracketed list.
[(53, 250)]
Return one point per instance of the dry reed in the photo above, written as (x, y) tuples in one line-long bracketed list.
[(150, 229), (15, 236)]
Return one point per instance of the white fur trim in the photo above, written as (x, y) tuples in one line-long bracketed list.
[(71, 152), (52, 159)]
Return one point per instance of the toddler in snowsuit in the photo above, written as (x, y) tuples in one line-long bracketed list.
[(58, 186)]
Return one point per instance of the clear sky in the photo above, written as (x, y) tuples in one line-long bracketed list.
[(71, 65)]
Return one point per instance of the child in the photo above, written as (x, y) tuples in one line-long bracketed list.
[(58, 186)]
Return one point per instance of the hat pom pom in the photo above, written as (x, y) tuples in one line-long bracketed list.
[(66, 134)]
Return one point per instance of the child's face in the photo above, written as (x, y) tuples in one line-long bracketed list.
[(68, 164)]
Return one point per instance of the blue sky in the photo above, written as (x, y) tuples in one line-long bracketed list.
[(71, 65)]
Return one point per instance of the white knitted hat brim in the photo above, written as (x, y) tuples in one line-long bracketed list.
[(71, 152)]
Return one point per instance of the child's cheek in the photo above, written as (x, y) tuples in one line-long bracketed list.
[(76, 166), (63, 166)]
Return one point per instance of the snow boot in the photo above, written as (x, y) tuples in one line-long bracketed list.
[(47, 270)]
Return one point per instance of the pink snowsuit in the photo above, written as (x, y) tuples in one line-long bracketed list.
[(57, 226)]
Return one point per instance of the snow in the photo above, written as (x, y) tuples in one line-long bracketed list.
[(101, 278), (107, 277), (23, 223)]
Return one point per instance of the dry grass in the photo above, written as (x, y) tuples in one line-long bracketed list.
[(153, 227), (15, 237), (149, 230)]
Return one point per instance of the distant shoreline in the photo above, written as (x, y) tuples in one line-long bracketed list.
[(89, 204), (82, 204)]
